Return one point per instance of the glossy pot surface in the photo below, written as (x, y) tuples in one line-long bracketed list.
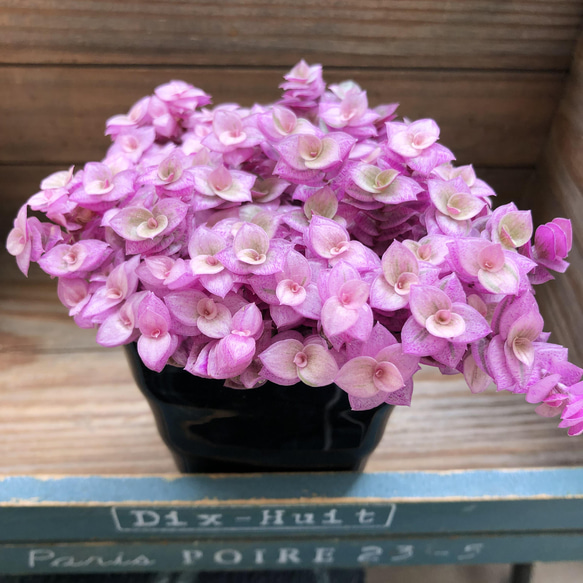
[(211, 428)]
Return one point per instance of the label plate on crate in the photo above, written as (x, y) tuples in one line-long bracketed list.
[(263, 519)]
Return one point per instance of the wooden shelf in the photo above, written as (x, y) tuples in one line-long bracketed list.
[(86, 484), (457, 478), (69, 406)]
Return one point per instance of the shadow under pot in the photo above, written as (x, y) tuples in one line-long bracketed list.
[(212, 428)]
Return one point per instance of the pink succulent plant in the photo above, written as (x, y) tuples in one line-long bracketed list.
[(313, 240)]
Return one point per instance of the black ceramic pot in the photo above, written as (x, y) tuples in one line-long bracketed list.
[(210, 428)]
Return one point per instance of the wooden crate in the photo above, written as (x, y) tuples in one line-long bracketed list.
[(458, 477)]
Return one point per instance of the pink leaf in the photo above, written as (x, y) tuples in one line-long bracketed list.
[(327, 237), (153, 316), (230, 356), (155, 352), (476, 326), (356, 377), (248, 321), (384, 297), (407, 364), (126, 222), (353, 294), (497, 364), (380, 338), (279, 358), (290, 293), (396, 260), (400, 397), (336, 318), (219, 284), (445, 324), (337, 277), (204, 241), (320, 368), (477, 379), (425, 301), (504, 281), (250, 237), (418, 341), (118, 328), (217, 323), (514, 229), (387, 377), (285, 317)]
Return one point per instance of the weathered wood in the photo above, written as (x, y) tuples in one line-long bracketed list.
[(79, 412), (561, 488), (34, 321), (18, 183), (341, 505), (510, 184), (57, 114), (531, 34), (558, 191), (313, 553)]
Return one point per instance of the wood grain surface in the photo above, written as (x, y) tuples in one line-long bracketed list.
[(491, 74), (530, 34), (69, 406), (558, 191), (85, 415), (57, 114)]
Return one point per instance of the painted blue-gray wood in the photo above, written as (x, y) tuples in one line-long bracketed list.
[(338, 520), (409, 486), (292, 506), (281, 554)]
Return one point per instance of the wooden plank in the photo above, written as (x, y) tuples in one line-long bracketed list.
[(81, 413), (259, 506), (33, 320), (305, 488), (76, 415), (280, 554), (18, 183), (561, 303), (558, 191), (57, 114), (531, 34), (73, 407)]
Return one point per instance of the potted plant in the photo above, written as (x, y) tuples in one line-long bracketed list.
[(279, 273)]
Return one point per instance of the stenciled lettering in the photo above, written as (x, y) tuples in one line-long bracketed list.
[(324, 555), (369, 554), (145, 518), (171, 520), (228, 557), (210, 519), (288, 555), (470, 551), (36, 556), (404, 552), (274, 517), (330, 517), (249, 518), (190, 557), (39, 555), (365, 516), (305, 518)]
